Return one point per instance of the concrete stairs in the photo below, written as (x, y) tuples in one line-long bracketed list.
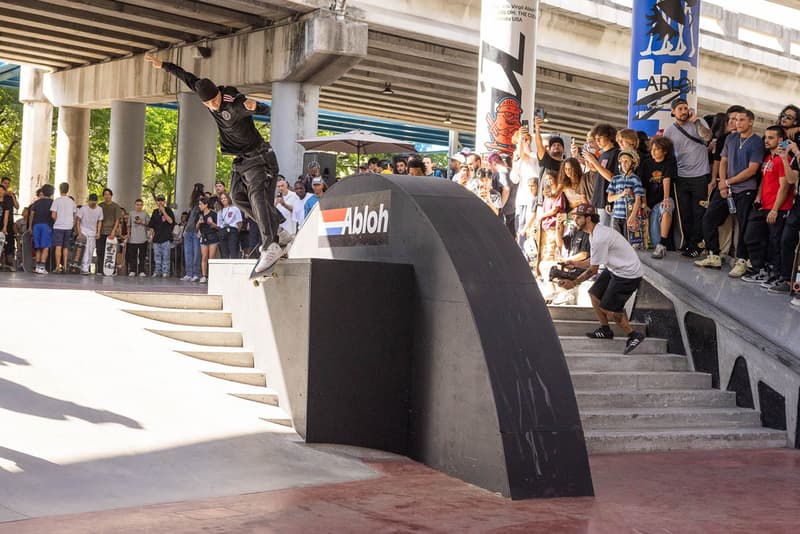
[(203, 330), (649, 400)]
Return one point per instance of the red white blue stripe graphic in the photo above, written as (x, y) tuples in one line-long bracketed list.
[(333, 221)]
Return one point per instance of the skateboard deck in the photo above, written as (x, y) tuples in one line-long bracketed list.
[(27, 251), (110, 257), (635, 235), (795, 279)]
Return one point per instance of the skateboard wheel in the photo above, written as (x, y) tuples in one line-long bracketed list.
[(256, 283)]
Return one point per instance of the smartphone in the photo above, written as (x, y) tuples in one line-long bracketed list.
[(784, 144), (540, 112), (524, 123)]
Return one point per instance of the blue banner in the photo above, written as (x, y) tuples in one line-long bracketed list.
[(664, 55)]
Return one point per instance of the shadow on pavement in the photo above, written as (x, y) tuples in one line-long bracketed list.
[(17, 398), (6, 359)]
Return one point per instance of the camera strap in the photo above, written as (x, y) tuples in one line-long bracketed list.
[(690, 136)]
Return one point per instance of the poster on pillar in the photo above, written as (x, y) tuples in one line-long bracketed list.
[(507, 72), (664, 55)]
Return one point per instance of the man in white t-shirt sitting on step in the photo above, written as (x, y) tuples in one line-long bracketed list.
[(616, 283)]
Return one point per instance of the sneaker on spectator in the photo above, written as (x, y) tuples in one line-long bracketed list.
[(756, 277), (712, 262), (131, 274), (195, 279), (795, 302), (691, 252), (739, 269), (142, 274), (164, 275), (781, 287), (634, 340), (186, 278), (203, 280), (155, 275), (85, 273), (771, 281), (565, 298), (660, 251)]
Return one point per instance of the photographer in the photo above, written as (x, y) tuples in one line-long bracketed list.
[(579, 250)]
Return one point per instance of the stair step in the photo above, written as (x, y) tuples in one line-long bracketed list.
[(232, 358), (565, 327), (283, 421), (608, 441), (187, 317), (264, 398), (657, 398), (663, 418), (210, 338), (650, 345), (251, 378), (631, 362), (180, 301), (639, 380), (572, 313)]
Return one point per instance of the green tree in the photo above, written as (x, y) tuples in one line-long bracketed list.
[(160, 149), (99, 128), (10, 134)]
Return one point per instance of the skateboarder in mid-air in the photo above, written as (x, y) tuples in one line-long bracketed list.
[(255, 166)]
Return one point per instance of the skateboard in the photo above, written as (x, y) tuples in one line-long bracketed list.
[(76, 255), (795, 279), (259, 278), (110, 257), (27, 251), (636, 235)]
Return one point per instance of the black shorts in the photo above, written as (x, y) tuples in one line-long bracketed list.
[(613, 291)]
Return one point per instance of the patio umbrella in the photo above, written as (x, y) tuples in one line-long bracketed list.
[(357, 141)]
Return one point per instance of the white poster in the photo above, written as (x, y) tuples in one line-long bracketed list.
[(507, 72)]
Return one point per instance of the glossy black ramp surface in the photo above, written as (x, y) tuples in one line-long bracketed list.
[(491, 400)]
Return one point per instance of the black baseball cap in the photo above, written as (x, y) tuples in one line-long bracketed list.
[(93, 196), (206, 89), (678, 101)]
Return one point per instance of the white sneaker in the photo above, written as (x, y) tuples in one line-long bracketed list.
[(165, 275), (284, 237), (739, 269), (712, 262), (795, 302), (186, 278), (660, 251), (142, 274), (203, 280), (131, 274), (195, 279), (155, 275), (269, 257), (565, 298)]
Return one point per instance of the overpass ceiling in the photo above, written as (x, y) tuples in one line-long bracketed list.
[(60, 34)]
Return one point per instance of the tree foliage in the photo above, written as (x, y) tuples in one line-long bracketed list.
[(10, 134)]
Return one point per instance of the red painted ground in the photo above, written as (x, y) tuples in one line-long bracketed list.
[(732, 492)]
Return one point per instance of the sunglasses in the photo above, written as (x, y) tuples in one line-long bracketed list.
[(787, 116)]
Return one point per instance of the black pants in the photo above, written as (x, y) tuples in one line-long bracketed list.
[(789, 240), (511, 223), (716, 214), (253, 190), (764, 240), (689, 192), (229, 243), (136, 257)]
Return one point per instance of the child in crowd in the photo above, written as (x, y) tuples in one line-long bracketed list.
[(626, 193)]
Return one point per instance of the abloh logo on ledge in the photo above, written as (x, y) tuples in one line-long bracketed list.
[(355, 220)]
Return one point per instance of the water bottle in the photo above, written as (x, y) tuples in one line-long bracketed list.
[(731, 203)]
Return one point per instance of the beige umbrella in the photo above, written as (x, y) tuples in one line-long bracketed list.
[(358, 141)]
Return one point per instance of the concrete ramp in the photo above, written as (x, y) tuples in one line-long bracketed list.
[(98, 413)]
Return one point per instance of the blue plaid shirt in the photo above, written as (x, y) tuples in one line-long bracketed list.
[(619, 184)]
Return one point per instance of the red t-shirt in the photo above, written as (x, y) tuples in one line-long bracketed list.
[(772, 171)]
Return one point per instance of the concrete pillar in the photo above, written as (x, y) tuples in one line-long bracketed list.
[(452, 142), (126, 152), (663, 62), (294, 115), (197, 148), (37, 128), (506, 72), (72, 151)]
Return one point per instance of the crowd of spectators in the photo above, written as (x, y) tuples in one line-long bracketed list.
[(708, 188)]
